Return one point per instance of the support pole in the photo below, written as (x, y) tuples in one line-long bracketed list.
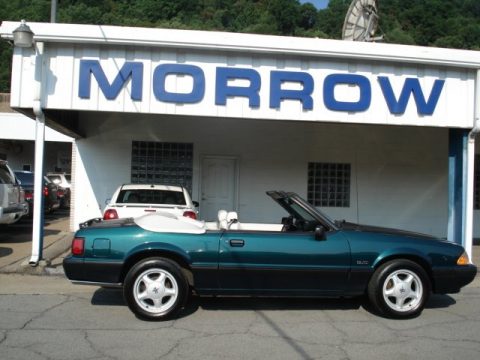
[(470, 171), (461, 167), (457, 184), (468, 243), (38, 213)]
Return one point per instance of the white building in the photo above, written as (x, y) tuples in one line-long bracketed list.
[(371, 133)]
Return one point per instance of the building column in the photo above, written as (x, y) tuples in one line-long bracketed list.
[(457, 185)]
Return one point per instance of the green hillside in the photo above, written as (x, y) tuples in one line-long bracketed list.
[(452, 23)]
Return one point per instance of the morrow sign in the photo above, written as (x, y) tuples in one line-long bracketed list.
[(133, 71)]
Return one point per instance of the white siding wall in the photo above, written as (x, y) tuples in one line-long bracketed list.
[(399, 175), (61, 85)]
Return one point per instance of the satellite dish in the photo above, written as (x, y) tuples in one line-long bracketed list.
[(361, 21)]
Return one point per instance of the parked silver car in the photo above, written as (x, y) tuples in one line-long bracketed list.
[(63, 181), (12, 196)]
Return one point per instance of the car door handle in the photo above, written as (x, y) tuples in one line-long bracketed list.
[(237, 242)]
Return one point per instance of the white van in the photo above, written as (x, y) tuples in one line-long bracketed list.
[(12, 196)]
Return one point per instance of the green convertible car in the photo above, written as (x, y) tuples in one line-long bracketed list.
[(159, 259)]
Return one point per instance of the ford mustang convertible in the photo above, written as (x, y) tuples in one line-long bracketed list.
[(159, 259)]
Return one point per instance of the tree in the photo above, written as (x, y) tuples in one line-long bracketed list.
[(452, 23)]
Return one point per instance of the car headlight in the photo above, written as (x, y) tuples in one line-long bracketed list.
[(463, 259)]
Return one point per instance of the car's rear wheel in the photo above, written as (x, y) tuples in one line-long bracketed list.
[(399, 288), (155, 289)]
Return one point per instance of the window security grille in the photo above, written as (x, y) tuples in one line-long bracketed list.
[(329, 184)]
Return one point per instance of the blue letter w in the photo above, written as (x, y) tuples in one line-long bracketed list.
[(133, 69), (411, 85)]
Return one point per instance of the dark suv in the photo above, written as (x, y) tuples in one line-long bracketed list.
[(50, 198)]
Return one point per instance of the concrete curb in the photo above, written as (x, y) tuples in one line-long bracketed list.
[(50, 253)]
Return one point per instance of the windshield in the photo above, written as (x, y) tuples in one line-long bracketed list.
[(313, 209), (26, 178), (297, 210), (301, 209), (146, 196), (55, 177)]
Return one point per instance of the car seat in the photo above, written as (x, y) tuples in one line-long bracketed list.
[(222, 220), (133, 198), (232, 220)]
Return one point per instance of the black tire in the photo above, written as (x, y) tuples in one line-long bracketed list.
[(399, 289), (151, 297)]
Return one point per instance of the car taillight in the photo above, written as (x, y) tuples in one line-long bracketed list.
[(110, 214), (45, 191), (60, 193), (190, 214), (28, 196), (78, 246)]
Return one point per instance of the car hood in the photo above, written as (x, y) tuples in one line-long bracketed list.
[(383, 230)]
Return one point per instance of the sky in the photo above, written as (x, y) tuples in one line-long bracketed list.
[(319, 4)]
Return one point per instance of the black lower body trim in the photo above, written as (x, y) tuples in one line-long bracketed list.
[(105, 272), (451, 279)]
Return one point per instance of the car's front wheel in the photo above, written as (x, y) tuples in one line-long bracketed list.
[(155, 289), (399, 288)]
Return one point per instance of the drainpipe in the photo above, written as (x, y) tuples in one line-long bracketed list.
[(37, 232), (470, 171)]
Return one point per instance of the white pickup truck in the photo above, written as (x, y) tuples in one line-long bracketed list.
[(12, 196)]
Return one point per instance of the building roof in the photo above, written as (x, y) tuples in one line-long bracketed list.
[(245, 43), (15, 126)]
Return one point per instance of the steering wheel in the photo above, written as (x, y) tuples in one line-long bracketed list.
[(300, 224), (288, 224)]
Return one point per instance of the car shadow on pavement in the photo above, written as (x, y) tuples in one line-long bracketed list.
[(262, 303), (438, 301), (114, 297), (108, 296), (4, 251)]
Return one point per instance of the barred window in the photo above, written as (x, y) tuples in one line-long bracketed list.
[(329, 184), (162, 163), (476, 183)]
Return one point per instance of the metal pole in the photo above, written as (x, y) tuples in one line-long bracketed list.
[(37, 231), (470, 171), (53, 11)]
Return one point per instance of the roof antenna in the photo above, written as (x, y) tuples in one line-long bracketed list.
[(361, 21)]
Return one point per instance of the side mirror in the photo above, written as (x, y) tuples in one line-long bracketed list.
[(195, 203), (320, 233)]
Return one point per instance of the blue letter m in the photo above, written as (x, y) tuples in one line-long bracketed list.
[(411, 85), (133, 69)]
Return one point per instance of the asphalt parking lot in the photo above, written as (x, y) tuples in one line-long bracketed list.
[(46, 317)]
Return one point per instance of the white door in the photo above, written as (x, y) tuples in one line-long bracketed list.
[(219, 186)]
